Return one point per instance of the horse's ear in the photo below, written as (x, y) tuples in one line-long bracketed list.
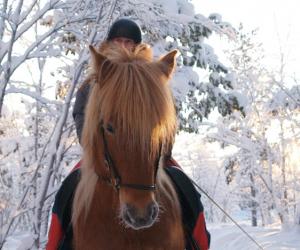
[(100, 63), (168, 62), (96, 58)]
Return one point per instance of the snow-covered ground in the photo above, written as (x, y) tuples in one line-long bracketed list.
[(224, 237), (229, 237)]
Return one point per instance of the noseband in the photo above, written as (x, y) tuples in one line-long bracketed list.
[(116, 180)]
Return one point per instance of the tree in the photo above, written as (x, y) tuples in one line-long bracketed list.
[(262, 163), (61, 31), (284, 107), (16, 22), (247, 134)]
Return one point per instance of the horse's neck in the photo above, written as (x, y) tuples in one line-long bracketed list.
[(105, 197)]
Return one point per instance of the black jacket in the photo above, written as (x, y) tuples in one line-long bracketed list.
[(79, 108)]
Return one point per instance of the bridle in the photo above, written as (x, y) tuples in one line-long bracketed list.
[(116, 180)]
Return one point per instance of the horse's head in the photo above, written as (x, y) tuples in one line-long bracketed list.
[(129, 125)]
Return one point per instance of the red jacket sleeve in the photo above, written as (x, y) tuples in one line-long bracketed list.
[(60, 209), (170, 162), (200, 233), (55, 234)]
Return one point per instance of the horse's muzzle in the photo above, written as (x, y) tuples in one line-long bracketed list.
[(139, 219)]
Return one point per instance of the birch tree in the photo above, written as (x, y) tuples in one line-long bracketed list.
[(64, 30), (18, 18), (265, 138)]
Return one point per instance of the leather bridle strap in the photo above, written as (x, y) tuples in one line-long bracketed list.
[(110, 163), (116, 181)]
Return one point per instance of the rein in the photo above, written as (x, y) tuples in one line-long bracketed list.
[(226, 214), (116, 180)]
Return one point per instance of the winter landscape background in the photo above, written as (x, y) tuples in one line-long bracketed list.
[(237, 100)]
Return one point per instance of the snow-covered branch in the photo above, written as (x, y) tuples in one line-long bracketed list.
[(34, 95)]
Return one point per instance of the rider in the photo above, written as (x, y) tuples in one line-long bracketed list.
[(125, 33)]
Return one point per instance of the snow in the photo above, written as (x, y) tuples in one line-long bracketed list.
[(180, 86), (223, 237), (216, 17), (19, 242), (229, 237), (242, 100)]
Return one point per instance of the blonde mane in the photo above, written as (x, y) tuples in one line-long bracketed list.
[(132, 95)]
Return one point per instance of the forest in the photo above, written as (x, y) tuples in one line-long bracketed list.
[(238, 125)]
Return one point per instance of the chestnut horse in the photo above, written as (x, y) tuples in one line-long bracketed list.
[(125, 200)]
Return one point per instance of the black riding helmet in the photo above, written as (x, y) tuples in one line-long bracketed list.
[(125, 28)]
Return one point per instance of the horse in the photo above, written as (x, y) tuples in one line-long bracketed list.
[(124, 199)]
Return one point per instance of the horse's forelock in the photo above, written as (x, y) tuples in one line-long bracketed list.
[(118, 54), (135, 99)]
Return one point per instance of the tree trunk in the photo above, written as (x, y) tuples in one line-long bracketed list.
[(284, 199), (253, 203)]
